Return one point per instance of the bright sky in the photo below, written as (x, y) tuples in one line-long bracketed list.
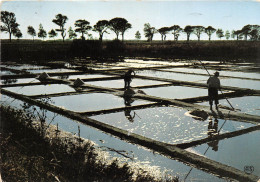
[(227, 15)]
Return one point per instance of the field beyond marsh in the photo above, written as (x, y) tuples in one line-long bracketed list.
[(27, 50)]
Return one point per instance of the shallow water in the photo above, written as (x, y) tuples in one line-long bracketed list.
[(250, 84), (87, 76), (222, 73), (233, 82), (120, 83), (176, 92), (238, 152), (165, 124), (50, 70), (41, 89), (91, 102), (104, 67), (155, 63), (26, 66), (2, 72), (83, 76), (173, 76), (131, 64), (22, 80), (247, 104), (139, 154)]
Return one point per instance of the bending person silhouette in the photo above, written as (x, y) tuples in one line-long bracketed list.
[(128, 101), (213, 87), (128, 77)]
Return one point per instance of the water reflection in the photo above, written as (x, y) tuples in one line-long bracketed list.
[(141, 155), (8, 81), (64, 76), (128, 100), (213, 131)]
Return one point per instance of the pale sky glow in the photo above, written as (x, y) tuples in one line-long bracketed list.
[(228, 15)]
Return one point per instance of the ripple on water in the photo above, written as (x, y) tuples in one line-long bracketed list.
[(161, 124)]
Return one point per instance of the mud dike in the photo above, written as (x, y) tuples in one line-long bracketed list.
[(114, 73)]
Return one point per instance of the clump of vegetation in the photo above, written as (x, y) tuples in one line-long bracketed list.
[(85, 48), (55, 155)]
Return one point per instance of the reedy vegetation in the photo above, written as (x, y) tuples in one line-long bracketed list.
[(37, 151)]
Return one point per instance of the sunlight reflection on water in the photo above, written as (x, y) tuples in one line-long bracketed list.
[(166, 124)]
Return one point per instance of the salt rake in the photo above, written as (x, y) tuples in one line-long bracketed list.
[(219, 88), (207, 148)]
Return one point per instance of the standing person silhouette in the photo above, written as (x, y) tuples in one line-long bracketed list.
[(128, 102), (128, 77), (213, 131), (213, 87)]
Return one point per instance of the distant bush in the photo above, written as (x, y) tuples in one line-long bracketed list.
[(115, 47), (114, 51), (85, 48)]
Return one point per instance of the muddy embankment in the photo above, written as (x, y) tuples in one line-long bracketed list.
[(34, 151), (26, 51)]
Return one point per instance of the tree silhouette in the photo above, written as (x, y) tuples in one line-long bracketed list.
[(119, 25), (52, 34), (197, 30), (246, 30), (61, 20), (18, 34), (10, 25), (31, 31), (227, 34), (124, 27), (188, 30), (236, 34), (101, 27), (176, 31), (254, 34), (114, 26), (82, 26), (149, 31), (209, 31), (250, 30), (72, 34), (138, 35), (163, 31), (220, 33), (42, 33)]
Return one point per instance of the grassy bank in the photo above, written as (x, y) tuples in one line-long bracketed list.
[(33, 151), (43, 51)]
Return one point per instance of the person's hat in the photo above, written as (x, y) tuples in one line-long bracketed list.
[(216, 73)]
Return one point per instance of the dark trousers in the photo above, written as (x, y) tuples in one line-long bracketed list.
[(127, 82), (213, 95)]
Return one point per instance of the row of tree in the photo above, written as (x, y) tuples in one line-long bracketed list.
[(252, 31), (119, 26)]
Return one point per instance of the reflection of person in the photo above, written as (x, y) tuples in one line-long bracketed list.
[(213, 87), (129, 116), (213, 131), (128, 101), (128, 77)]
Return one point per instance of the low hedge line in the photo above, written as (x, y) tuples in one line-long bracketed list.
[(114, 50)]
